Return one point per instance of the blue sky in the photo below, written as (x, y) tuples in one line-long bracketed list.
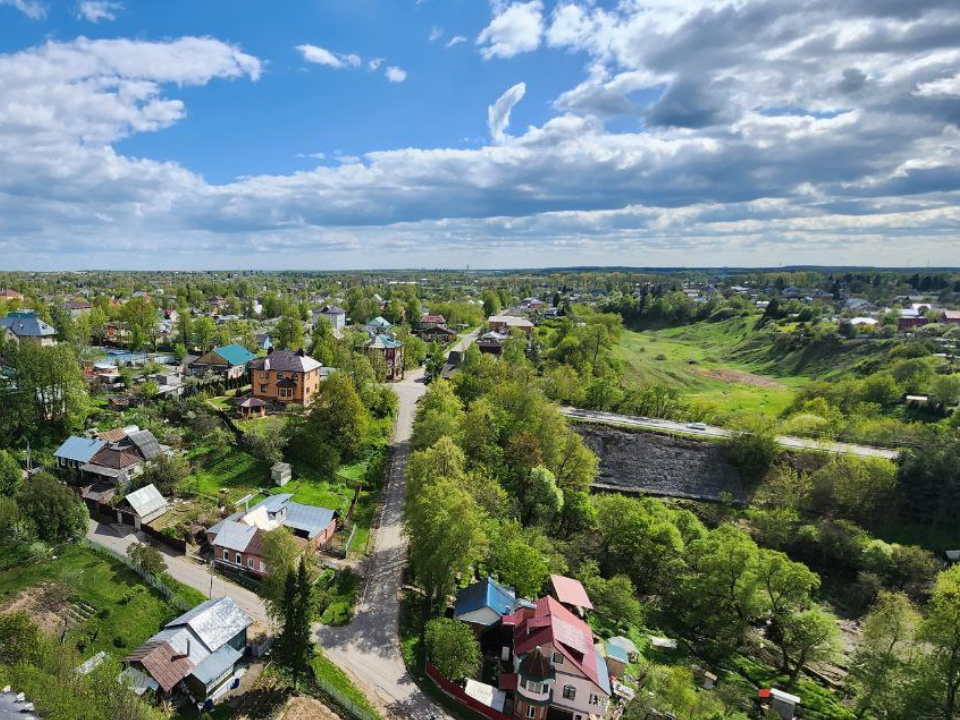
[(396, 133)]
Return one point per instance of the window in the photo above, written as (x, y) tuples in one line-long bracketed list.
[(250, 563), (279, 376), (239, 559), (264, 376), (533, 686), (594, 699), (557, 659), (531, 711), (226, 555), (263, 566), (569, 692), (264, 388)]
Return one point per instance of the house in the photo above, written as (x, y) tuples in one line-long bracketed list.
[(334, 314), (571, 594), (491, 342), (229, 362), (7, 295), (264, 342), (379, 325), (196, 654), (77, 307), (27, 327), (285, 377), (911, 318), (617, 659), (142, 506), (75, 452), (484, 603), (428, 321), (391, 350), (436, 333), (950, 317), (503, 324), (557, 669), (237, 541), (782, 703), (108, 461)]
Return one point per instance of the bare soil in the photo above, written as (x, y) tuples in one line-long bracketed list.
[(737, 376), (46, 605), (307, 708)]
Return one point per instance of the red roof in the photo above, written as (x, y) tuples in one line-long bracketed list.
[(550, 623), (438, 319), (570, 592)]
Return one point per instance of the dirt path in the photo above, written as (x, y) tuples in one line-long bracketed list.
[(737, 376)]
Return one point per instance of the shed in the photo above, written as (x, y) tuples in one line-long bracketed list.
[(281, 473), (147, 504)]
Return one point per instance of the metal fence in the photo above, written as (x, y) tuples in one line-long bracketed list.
[(344, 703), (151, 580)]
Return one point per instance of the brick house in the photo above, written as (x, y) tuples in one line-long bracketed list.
[(285, 377)]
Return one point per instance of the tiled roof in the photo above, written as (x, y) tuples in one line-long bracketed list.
[(286, 361)]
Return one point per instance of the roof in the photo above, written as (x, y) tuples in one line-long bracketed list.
[(549, 622), (486, 593), (215, 622), (617, 652), (79, 449), (625, 643), (117, 433), (233, 535), (379, 322), (13, 706), (603, 674), (146, 501), (332, 310), (536, 666), (164, 664), (438, 319), (115, 458), (385, 342), (286, 361), (27, 325), (510, 321), (216, 664), (485, 694), (570, 592), (251, 402), (235, 354), (146, 443), (311, 520)]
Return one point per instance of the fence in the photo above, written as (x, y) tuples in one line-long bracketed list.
[(151, 580), (457, 693), (175, 543), (344, 703)]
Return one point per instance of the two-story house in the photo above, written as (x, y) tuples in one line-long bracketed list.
[(285, 377), (23, 327), (557, 669)]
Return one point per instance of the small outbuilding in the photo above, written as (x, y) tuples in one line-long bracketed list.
[(281, 473), (145, 505)]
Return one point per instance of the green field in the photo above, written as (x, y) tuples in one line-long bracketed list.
[(704, 362), (105, 605)]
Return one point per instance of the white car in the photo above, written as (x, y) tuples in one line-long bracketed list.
[(697, 426)]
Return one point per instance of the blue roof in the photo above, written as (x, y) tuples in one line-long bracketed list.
[(79, 448), (617, 652), (379, 322), (603, 674), (311, 520), (235, 354), (213, 666), (486, 593)]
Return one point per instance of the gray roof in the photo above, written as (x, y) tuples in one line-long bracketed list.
[(14, 707), (79, 449), (215, 665), (273, 503), (215, 622), (311, 520), (146, 501), (146, 443), (23, 325), (234, 535)]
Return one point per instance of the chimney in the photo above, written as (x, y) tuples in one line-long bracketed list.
[(300, 352)]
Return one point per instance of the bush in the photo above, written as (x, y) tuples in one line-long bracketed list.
[(452, 648)]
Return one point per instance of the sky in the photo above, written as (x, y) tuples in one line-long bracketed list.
[(364, 134)]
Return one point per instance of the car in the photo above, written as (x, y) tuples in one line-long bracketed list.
[(697, 426)]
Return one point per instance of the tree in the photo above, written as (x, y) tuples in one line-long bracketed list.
[(753, 445), (11, 475), (516, 562), (941, 630), (165, 472), (140, 317), (294, 644), (452, 648), (542, 500), (280, 554), (337, 421), (809, 635), (57, 514), (879, 667), (147, 558), (204, 329), (491, 303), (615, 598), (436, 359), (290, 333), (439, 414)]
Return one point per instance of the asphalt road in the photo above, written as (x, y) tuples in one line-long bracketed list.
[(711, 431)]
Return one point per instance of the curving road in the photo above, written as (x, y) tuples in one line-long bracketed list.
[(712, 431)]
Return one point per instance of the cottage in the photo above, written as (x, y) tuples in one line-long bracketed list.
[(285, 377), (950, 317), (196, 654), (491, 342), (229, 362), (7, 295), (334, 314), (390, 349), (237, 541), (483, 604), (21, 327), (77, 307), (503, 324)]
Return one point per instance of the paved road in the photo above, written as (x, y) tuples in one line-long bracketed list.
[(183, 569), (369, 647), (786, 441)]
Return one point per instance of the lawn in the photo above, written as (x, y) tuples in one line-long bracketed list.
[(697, 360), (340, 597), (334, 681), (109, 607)]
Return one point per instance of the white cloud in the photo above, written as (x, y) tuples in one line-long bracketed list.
[(33, 9), (97, 10), (498, 114), (395, 74), (435, 34), (314, 156), (455, 40), (516, 28), (375, 63), (322, 56), (941, 87)]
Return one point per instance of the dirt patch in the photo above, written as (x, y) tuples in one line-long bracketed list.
[(307, 708), (661, 465), (737, 376), (47, 605)]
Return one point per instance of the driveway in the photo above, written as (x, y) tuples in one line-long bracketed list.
[(369, 647), (190, 572)]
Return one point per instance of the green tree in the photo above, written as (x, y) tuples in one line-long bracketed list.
[(294, 645), (753, 445), (452, 648), (516, 562), (941, 630), (165, 472), (280, 554), (290, 333), (56, 512), (439, 414), (147, 558), (542, 500), (204, 330), (11, 475), (337, 422), (808, 635), (491, 303)]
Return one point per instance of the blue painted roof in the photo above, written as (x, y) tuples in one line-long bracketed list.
[(617, 652), (79, 448), (486, 593), (379, 322), (214, 666), (235, 354), (603, 673)]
